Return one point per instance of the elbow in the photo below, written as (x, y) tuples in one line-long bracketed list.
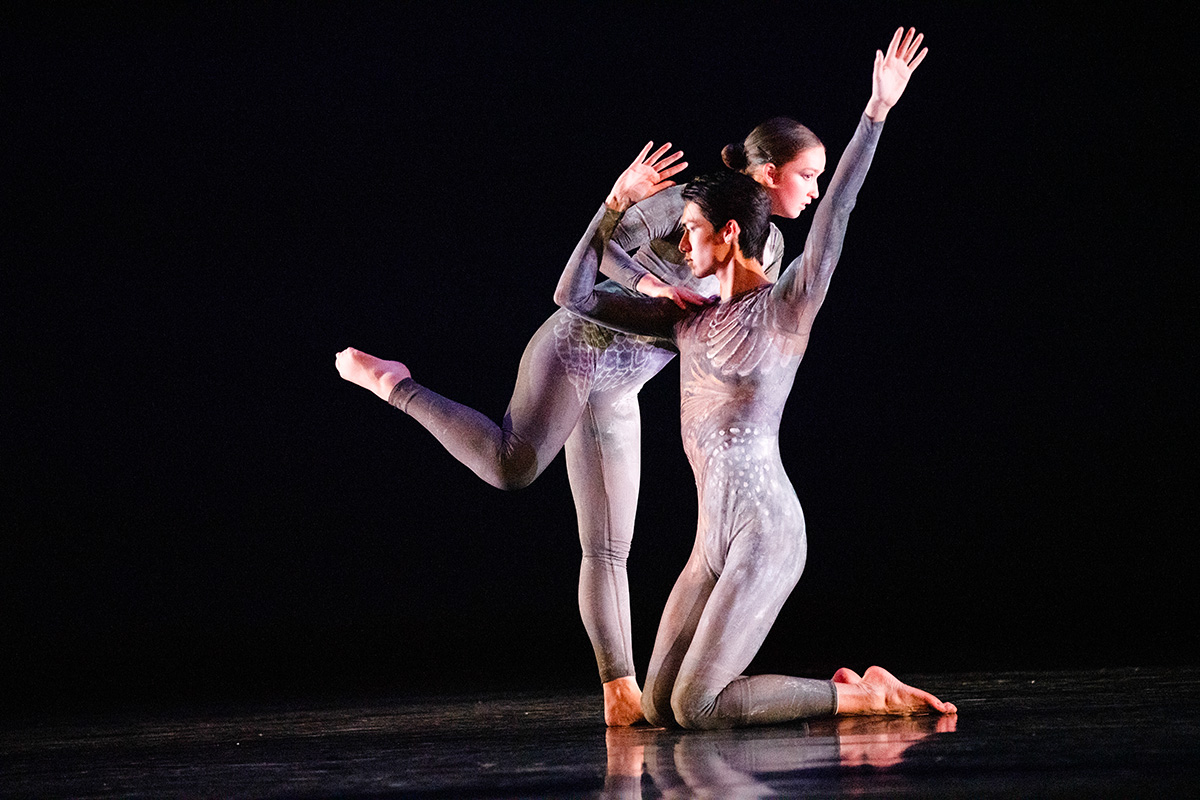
[(562, 297), (571, 301)]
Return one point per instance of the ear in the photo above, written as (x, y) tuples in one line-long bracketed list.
[(770, 175), (730, 232)]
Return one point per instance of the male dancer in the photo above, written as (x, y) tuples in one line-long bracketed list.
[(738, 360)]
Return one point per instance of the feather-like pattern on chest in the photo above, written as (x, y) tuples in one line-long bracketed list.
[(740, 336)]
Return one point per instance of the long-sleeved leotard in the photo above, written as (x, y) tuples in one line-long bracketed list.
[(577, 385), (738, 360)]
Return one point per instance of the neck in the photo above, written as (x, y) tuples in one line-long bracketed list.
[(738, 275)]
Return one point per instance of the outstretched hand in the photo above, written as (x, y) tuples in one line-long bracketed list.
[(646, 176), (892, 71)]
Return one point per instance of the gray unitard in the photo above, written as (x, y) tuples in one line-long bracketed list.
[(577, 384), (738, 360)]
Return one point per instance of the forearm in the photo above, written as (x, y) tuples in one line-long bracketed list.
[(576, 290), (617, 265)]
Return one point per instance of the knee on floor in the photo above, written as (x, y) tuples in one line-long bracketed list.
[(693, 707), (657, 706)]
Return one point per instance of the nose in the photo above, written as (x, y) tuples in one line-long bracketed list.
[(684, 246), (815, 192)]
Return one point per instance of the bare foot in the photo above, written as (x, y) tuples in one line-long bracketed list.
[(880, 692), (622, 702), (369, 372)]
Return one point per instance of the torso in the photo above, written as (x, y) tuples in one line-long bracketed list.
[(737, 367)]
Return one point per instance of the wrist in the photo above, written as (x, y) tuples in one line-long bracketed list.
[(617, 204), (648, 284), (877, 110)]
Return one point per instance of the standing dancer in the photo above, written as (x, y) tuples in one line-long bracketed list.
[(738, 360)]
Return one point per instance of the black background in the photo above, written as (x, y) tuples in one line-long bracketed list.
[(990, 433)]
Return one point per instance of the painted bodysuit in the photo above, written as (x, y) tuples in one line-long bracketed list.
[(738, 360), (577, 385)]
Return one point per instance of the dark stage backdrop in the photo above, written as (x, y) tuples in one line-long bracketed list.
[(990, 433)]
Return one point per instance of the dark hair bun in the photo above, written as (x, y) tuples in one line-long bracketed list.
[(734, 156)]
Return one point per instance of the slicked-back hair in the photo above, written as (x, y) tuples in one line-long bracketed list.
[(778, 141), (724, 196)]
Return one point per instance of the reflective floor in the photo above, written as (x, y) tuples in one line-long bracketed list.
[(1109, 733)]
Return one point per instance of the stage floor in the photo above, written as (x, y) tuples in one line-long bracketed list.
[(1105, 733)]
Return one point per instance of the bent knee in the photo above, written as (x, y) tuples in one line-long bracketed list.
[(659, 715), (693, 708), (512, 480), (656, 705), (514, 469)]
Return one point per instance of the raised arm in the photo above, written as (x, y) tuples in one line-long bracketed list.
[(803, 285), (651, 230), (654, 218), (647, 176)]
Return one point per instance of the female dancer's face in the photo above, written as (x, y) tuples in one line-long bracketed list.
[(794, 185)]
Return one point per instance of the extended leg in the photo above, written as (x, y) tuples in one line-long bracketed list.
[(551, 388)]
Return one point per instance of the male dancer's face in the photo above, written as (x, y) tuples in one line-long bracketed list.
[(704, 247)]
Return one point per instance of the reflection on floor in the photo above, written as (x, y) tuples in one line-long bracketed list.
[(1106, 733)]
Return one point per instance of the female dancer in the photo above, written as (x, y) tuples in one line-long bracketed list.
[(578, 382), (738, 361)]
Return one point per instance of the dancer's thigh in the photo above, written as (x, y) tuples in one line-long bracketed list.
[(604, 466), (553, 383), (760, 573), (676, 631), (570, 363)]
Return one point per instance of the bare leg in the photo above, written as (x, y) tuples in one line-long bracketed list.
[(369, 372), (880, 692)]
